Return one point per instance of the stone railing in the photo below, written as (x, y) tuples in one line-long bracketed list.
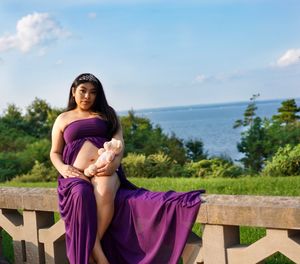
[(27, 215)]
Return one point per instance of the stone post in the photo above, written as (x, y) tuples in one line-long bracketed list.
[(216, 239), (33, 221)]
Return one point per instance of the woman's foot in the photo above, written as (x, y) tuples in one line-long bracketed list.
[(92, 260), (102, 259), (99, 256)]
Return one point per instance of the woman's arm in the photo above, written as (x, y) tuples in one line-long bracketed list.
[(57, 149), (111, 167)]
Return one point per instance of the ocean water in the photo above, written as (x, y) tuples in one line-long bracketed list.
[(213, 124)]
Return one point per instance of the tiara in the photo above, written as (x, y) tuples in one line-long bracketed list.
[(88, 77)]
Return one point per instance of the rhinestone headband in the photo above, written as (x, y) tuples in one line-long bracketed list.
[(88, 78)]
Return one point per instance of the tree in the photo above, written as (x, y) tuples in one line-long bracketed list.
[(194, 150), (13, 136), (12, 112), (287, 112), (253, 146), (252, 140), (142, 137), (249, 113), (36, 118), (13, 117), (262, 138)]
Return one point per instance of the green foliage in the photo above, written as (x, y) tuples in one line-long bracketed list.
[(285, 162), (142, 138), (154, 165), (279, 135), (252, 145), (39, 173), (25, 139), (9, 166), (36, 118), (253, 139), (12, 117), (134, 165), (217, 168), (14, 163), (194, 150), (13, 139), (262, 138), (249, 114), (161, 165), (287, 113), (36, 151), (158, 165), (174, 148)]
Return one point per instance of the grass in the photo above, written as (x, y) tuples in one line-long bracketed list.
[(282, 186), (278, 186)]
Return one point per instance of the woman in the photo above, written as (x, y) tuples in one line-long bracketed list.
[(147, 227)]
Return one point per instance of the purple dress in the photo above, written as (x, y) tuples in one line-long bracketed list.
[(147, 227)]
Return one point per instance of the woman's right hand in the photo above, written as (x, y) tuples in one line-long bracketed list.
[(68, 171)]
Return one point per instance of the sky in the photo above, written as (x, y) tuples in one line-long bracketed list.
[(150, 53)]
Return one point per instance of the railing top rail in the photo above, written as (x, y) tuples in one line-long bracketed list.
[(249, 210), (36, 199)]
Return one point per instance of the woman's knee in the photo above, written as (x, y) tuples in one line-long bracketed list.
[(105, 189)]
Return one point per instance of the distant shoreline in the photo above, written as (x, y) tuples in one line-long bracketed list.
[(197, 106)]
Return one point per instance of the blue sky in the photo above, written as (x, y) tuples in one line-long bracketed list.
[(150, 53)]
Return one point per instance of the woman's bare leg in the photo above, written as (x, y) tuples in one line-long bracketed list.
[(105, 189)]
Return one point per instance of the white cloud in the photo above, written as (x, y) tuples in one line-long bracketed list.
[(92, 15), (200, 78), (59, 62), (220, 77), (290, 57), (33, 30), (42, 51)]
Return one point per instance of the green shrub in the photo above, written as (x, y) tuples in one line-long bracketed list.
[(285, 162), (154, 165), (215, 167), (158, 165), (9, 166), (39, 173), (134, 165), (161, 165), (36, 151), (177, 170), (13, 140)]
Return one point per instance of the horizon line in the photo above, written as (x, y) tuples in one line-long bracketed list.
[(205, 104)]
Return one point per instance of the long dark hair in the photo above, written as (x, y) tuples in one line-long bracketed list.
[(100, 105)]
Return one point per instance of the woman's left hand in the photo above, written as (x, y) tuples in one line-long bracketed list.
[(107, 170)]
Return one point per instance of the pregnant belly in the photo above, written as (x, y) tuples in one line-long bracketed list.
[(87, 155)]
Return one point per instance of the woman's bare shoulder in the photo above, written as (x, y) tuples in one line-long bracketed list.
[(68, 115), (62, 120)]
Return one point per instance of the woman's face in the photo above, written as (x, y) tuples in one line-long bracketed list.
[(85, 95)]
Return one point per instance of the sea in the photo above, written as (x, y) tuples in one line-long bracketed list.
[(210, 123)]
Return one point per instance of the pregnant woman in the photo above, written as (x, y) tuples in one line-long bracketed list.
[(108, 219)]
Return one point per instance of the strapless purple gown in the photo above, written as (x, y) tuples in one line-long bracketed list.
[(147, 227)]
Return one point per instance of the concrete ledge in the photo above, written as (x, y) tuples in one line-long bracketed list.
[(249, 210), (37, 199)]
